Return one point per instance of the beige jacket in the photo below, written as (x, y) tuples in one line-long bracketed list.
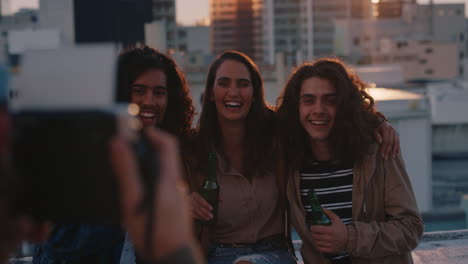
[(386, 223)]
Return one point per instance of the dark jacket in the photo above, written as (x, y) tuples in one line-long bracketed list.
[(81, 243)]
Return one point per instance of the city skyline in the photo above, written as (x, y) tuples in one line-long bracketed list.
[(190, 11)]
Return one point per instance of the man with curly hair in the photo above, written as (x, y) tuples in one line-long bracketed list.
[(326, 124), (154, 82)]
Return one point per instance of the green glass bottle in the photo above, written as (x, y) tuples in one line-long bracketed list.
[(210, 187), (316, 216)]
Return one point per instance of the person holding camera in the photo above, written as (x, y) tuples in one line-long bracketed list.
[(172, 235), (153, 82)]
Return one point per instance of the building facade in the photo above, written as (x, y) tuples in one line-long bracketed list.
[(232, 26), (164, 12), (426, 47)]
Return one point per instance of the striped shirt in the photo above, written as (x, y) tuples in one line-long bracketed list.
[(333, 185)]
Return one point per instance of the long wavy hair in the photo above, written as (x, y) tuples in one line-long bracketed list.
[(356, 118), (259, 120), (133, 62)]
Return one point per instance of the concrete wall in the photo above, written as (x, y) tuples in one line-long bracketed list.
[(155, 35), (58, 14), (411, 118)]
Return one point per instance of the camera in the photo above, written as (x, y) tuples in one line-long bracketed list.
[(62, 122)]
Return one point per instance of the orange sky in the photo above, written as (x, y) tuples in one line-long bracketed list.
[(189, 11)]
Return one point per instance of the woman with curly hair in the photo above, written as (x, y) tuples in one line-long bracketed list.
[(326, 122)]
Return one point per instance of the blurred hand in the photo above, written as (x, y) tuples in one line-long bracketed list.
[(172, 228), (388, 139), (332, 238), (13, 230), (201, 209)]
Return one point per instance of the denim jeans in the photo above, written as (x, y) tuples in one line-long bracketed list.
[(267, 253)]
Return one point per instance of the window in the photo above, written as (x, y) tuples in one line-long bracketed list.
[(183, 47), (402, 44), (429, 50), (429, 71), (182, 34), (356, 41), (170, 35), (422, 61)]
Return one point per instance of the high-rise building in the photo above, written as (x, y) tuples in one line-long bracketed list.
[(4, 7), (391, 8), (164, 11), (282, 30), (304, 29), (232, 26), (317, 26), (427, 48), (300, 29)]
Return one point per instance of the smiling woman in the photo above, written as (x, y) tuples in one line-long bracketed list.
[(232, 92), (236, 125)]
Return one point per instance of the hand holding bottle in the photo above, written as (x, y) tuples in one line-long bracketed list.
[(330, 238), (201, 209), (205, 203)]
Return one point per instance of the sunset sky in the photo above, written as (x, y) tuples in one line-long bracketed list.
[(188, 11)]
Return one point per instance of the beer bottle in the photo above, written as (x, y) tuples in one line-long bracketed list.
[(210, 188), (315, 216)]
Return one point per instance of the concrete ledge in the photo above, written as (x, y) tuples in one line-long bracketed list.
[(442, 247), (444, 235), (445, 247)]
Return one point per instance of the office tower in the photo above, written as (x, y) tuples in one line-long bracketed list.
[(165, 10), (232, 23), (391, 8)]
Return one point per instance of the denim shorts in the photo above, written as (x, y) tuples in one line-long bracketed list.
[(267, 253)]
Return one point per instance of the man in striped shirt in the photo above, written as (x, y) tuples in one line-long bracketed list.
[(327, 124)]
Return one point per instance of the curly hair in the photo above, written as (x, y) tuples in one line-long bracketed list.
[(356, 118), (133, 62), (259, 121)]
